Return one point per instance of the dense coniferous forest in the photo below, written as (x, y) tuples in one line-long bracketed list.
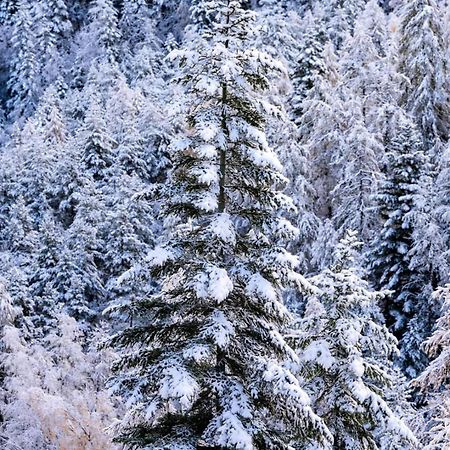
[(224, 224)]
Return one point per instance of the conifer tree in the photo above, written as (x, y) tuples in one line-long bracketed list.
[(391, 257), (309, 64), (356, 162), (38, 157), (201, 16), (321, 130), (95, 142), (422, 60), (77, 284), (367, 69), (429, 264), (43, 272), (280, 31), (7, 311), (345, 357), (69, 183), (105, 28), (340, 16), (129, 237), (46, 39), (322, 248), (134, 23), (52, 120), (16, 281), (440, 192), (59, 18), (203, 369), (375, 22), (285, 137), (23, 83), (435, 380)]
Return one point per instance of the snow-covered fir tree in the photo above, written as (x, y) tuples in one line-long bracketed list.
[(104, 28), (320, 128), (77, 280), (205, 367), (367, 69), (422, 60), (435, 380), (356, 164), (23, 82), (391, 252), (340, 16), (309, 64), (345, 357), (58, 15), (96, 143), (429, 265)]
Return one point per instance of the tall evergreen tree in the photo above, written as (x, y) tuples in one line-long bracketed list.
[(356, 162), (340, 16), (435, 380), (105, 28), (309, 64), (320, 127), (43, 272), (367, 69), (35, 171), (77, 284), (59, 18), (345, 357), (397, 199), (204, 367), (133, 22), (422, 60), (201, 15), (429, 262), (95, 142), (23, 81)]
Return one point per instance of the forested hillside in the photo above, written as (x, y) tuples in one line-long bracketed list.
[(224, 224)]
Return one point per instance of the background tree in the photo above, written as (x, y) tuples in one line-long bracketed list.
[(422, 60), (23, 82), (390, 257), (434, 380), (345, 357)]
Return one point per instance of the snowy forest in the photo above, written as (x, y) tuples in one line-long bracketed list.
[(224, 225)]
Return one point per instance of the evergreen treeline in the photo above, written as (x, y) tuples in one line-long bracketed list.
[(224, 224)]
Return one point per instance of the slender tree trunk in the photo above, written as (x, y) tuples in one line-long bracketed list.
[(223, 160)]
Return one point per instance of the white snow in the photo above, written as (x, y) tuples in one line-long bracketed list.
[(222, 226), (360, 390), (319, 352), (207, 151), (357, 367), (231, 433), (179, 388), (213, 283), (207, 202), (219, 328), (208, 131), (263, 288), (207, 175), (159, 256), (198, 352), (285, 383)]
